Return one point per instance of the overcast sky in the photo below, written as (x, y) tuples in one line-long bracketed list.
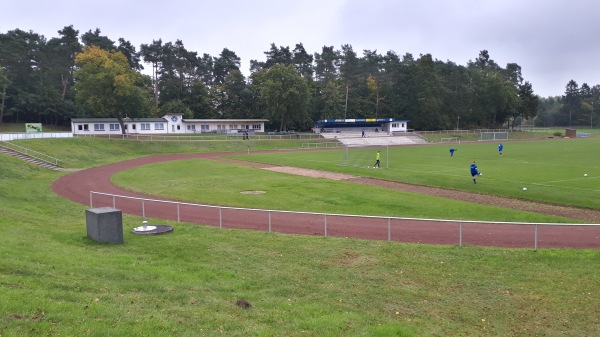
[(553, 41)]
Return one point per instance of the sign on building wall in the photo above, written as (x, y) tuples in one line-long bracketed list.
[(33, 127)]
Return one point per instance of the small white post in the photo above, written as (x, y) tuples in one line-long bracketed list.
[(269, 221), (460, 235), (536, 237)]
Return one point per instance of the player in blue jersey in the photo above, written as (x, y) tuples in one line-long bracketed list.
[(452, 150), (474, 172), (500, 148)]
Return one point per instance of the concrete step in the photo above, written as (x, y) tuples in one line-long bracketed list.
[(29, 159)]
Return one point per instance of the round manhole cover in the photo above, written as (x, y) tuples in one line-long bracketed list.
[(152, 230)]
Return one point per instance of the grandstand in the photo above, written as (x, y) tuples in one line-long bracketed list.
[(353, 138), (367, 132)]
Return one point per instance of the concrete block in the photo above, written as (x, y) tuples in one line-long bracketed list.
[(104, 224)]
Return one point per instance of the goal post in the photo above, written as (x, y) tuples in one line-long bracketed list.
[(450, 140), (364, 156), (493, 135)]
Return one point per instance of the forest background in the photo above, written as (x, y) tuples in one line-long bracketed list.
[(78, 75)]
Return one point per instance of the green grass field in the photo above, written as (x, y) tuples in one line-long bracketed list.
[(215, 183), (551, 170), (55, 281)]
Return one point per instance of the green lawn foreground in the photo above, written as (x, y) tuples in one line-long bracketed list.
[(55, 281)]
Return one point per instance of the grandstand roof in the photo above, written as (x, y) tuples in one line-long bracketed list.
[(361, 120)]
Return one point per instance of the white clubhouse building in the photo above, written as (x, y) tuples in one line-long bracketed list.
[(168, 124)]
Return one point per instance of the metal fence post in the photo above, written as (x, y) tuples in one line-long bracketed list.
[(325, 228), (143, 209), (536, 237), (178, 214), (269, 221), (91, 202), (460, 234), (220, 217), (389, 229), (114, 203)]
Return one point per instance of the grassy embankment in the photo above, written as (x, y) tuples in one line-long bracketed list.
[(55, 281)]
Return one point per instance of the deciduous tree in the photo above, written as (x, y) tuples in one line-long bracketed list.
[(285, 95), (107, 86)]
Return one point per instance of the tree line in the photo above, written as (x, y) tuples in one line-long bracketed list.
[(89, 75), (574, 108)]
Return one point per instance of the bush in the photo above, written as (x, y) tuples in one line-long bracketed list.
[(557, 134)]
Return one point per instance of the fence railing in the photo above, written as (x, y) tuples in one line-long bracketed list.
[(34, 135), (319, 145), (32, 153), (200, 137), (401, 229)]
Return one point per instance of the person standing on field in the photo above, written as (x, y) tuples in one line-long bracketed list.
[(474, 172), (452, 150), (377, 157), (500, 148)]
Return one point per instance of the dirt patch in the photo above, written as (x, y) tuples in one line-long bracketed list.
[(253, 192), (310, 173)]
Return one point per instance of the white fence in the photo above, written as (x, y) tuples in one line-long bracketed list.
[(428, 231), (201, 136), (5, 137)]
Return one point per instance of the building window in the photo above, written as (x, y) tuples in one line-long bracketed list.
[(232, 126), (159, 126), (114, 127), (191, 127), (98, 127), (132, 126), (204, 127), (256, 127), (145, 126)]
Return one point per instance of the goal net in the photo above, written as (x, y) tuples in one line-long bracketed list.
[(364, 156), (450, 140), (501, 135)]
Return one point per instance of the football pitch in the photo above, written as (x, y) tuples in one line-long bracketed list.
[(560, 171)]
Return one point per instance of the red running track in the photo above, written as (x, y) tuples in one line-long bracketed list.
[(77, 186)]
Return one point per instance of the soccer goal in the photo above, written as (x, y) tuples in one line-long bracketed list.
[(365, 156), (450, 140), (499, 135)]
